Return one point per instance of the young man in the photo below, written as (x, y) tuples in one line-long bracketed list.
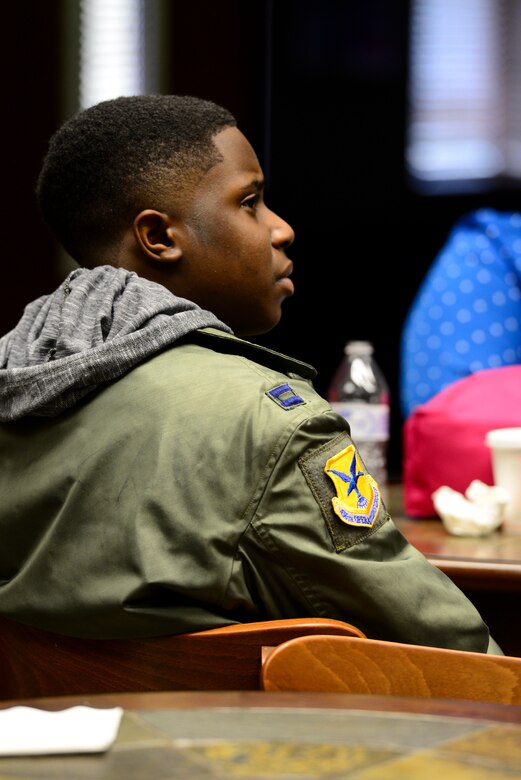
[(159, 474)]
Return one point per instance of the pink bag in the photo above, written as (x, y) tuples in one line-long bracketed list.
[(444, 439)]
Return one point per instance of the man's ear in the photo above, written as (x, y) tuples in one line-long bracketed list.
[(157, 236)]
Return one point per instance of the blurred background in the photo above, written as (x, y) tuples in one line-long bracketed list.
[(377, 122)]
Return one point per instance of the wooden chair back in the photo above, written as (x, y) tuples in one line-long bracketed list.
[(349, 665), (36, 663)]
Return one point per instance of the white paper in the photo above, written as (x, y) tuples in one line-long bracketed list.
[(477, 513), (31, 731)]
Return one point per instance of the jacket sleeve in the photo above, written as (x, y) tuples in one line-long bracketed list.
[(321, 542)]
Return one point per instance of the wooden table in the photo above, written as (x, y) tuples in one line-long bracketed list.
[(486, 568), (252, 735)]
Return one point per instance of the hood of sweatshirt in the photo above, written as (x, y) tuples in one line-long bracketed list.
[(96, 326)]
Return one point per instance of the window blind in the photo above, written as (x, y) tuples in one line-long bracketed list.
[(463, 125), (112, 49)]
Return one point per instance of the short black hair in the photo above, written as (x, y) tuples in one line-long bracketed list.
[(108, 162)]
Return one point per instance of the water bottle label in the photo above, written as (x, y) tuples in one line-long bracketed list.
[(368, 422)]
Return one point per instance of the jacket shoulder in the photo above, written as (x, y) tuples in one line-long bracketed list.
[(232, 345)]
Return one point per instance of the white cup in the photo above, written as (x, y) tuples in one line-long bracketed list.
[(505, 447)]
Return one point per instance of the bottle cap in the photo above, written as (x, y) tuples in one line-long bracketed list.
[(358, 348)]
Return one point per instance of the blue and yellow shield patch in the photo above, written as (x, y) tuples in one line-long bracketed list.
[(357, 499)]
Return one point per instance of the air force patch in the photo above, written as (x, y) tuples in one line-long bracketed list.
[(357, 499)]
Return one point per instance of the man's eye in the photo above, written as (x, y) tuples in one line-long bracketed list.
[(251, 201)]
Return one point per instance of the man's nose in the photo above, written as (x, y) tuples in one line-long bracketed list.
[(282, 234)]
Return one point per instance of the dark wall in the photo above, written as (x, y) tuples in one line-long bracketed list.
[(338, 97), (30, 71), (320, 88)]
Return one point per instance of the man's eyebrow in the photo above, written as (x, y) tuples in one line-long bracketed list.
[(257, 184)]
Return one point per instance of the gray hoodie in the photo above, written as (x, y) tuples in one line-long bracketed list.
[(95, 327)]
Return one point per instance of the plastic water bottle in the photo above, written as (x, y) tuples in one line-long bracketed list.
[(360, 393)]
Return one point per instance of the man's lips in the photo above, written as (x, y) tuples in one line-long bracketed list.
[(287, 285), (285, 282)]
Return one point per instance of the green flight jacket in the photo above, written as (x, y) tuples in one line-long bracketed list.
[(192, 493)]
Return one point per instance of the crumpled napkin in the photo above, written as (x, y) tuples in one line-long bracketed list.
[(30, 731), (477, 513)]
